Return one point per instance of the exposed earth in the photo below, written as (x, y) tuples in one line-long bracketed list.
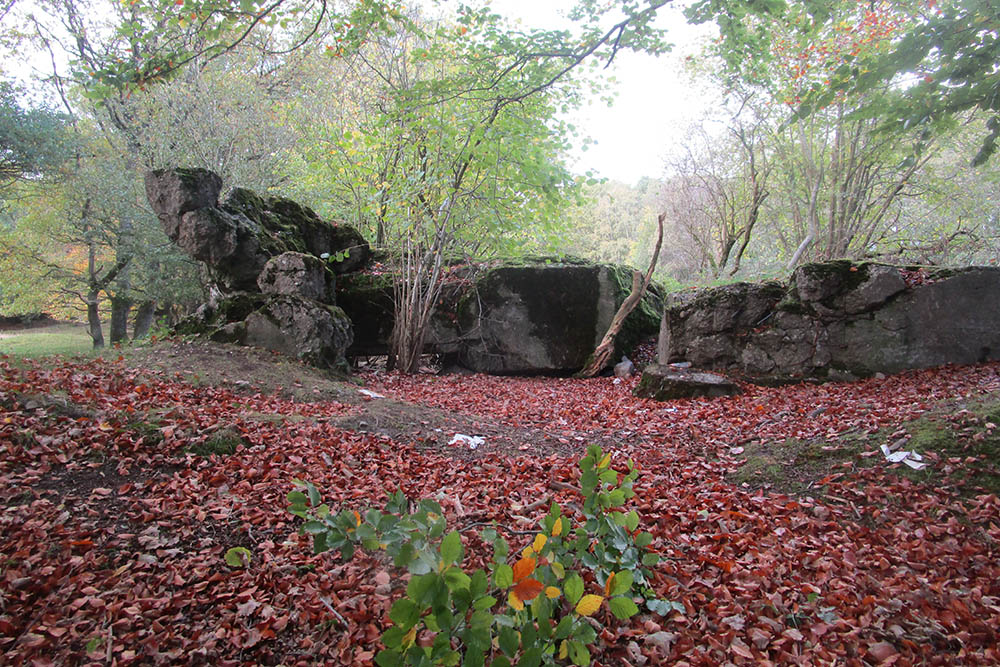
[(787, 536)]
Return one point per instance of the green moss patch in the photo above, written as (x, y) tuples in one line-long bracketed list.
[(221, 443), (960, 443)]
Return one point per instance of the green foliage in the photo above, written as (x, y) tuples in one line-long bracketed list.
[(221, 443), (945, 53), (237, 557), (531, 612), (33, 142)]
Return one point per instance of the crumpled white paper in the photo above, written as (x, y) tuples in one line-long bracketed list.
[(910, 458), (473, 441)]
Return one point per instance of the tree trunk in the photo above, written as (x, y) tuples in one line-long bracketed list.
[(599, 359), (94, 318), (145, 314), (120, 309)]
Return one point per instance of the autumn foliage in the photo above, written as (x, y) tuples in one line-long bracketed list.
[(114, 534)]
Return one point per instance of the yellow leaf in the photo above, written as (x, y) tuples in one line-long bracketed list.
[(539, 543), (528, 552), (410, 637), (551, 592), (564, 649), (557, 528), (588, 604), (605, 461), (515, 601), (558, 569)]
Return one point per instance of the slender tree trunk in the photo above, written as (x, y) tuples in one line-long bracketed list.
[(145, 314), (599, 359), (94, 318)]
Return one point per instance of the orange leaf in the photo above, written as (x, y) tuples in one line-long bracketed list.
[(608, 583), (357, 517), (523, 568), (528, 589)]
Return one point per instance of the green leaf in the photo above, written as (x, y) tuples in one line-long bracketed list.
[(650, 559), (478, 584), (451, 548), (643, 540), (455, 579), (389, 658), (623, 608), (564, 628), (664, 607), (532, 657), (509, 641), (483, 603), (632, 520), (404, 613), (393, 636), (238, 557), (622, 583), (503, 576), (573, 588), (314, 527), (314, 497)]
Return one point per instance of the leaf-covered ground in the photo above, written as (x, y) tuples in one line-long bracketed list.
[(114, 530)]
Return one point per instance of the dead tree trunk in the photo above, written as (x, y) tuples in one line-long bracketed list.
[(599, 359)]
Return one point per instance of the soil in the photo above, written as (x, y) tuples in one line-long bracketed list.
[(249, 371)]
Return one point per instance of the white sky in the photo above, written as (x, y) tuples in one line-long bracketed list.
[(655, 103)]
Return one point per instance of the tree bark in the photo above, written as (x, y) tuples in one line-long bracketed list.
[(94, 318), (599, 359), (120, 308), (145, 314)]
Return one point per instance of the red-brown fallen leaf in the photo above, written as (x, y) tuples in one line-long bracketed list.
[(739, 648), (882, 651), (852, 553), (528, 589), (793, 634)]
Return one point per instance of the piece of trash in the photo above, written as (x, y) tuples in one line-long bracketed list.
[(624, 368), (910, 458), (370, 394), (736, 450), (473, 441)]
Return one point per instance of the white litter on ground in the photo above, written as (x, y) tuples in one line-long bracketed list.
[(370, 394), (473, 441), (910, 458)]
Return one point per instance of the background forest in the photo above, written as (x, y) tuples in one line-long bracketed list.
[(842, 129)]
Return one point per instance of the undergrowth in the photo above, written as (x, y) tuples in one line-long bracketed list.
[(542, 605)]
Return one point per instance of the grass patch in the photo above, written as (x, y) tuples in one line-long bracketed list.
[(63, 339), (965, 449), (220, 443), (961, 445), (794, 466)]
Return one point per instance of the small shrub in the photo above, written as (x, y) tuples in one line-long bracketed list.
[(221, 443), (543, 605)]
